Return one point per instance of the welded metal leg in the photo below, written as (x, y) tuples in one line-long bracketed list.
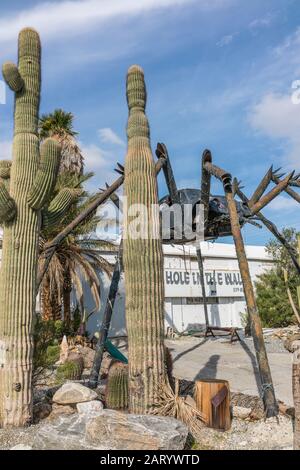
[(205, 186), (268, 393), (105, 326), (201, 272)]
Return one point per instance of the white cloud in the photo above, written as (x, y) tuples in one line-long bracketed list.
[(226, 40), (95, 157), (5, 150), (291, 42), (61, 18), (277, 117), (263, 22), (101, 162), (283, 203), (107, 135)]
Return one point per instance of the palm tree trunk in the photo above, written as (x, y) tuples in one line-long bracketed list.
[(67, 296), (51, 305)]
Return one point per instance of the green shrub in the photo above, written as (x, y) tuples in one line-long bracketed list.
[(271, 291), (52, 354), (70, 370)]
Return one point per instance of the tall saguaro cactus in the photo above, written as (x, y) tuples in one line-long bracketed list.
[(32, 177), (143, 258)]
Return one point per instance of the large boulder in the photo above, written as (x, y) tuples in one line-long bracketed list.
[(71, 393), (110, 430), (115, 430)]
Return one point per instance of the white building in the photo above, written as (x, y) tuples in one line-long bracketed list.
[(184, 308)]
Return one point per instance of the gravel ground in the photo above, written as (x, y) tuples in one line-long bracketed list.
[(257, 435), (12, 437), (273, 345)]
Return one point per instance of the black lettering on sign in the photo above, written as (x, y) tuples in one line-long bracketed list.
[(228, 279), (169, 276), (176, 277)]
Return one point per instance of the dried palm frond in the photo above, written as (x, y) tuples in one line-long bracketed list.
[(170, 403), (59, 125)]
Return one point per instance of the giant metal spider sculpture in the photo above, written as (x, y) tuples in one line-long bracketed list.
[(216, 215)]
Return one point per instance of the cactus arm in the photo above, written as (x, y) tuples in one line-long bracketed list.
[(12, 76), (59, 206), (7, 205), (46, 175)]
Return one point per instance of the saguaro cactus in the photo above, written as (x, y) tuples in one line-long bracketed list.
[(32, 177), (143, 258)]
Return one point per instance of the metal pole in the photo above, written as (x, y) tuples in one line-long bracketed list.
[(201, 271), (205, 185), (261, 187), (271, 195), (268, 393), (162, 152), (103, 333)]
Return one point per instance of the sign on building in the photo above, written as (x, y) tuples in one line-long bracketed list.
[(182, 283)]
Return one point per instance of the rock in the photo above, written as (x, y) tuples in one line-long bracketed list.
[(241, 412), (59, 410), (115, 430), (41, 411), (64, 350), (72, 393), (64, 433), (21, 447), (292, 342), (87, 355), (91, 408)]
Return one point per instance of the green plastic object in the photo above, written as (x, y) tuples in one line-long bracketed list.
[(114, 352)]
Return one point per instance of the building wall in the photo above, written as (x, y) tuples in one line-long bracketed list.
[(183, 296)]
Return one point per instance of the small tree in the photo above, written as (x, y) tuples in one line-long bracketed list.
[(272, 296)]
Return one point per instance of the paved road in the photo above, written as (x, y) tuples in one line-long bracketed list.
[(196, 358)]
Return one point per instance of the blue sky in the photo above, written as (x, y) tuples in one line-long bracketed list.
[(218, 74)]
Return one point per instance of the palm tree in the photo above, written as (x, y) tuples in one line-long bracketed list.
[(77, 258), (59, 125)]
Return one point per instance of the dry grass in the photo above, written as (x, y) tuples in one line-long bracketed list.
[(170, 403)]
